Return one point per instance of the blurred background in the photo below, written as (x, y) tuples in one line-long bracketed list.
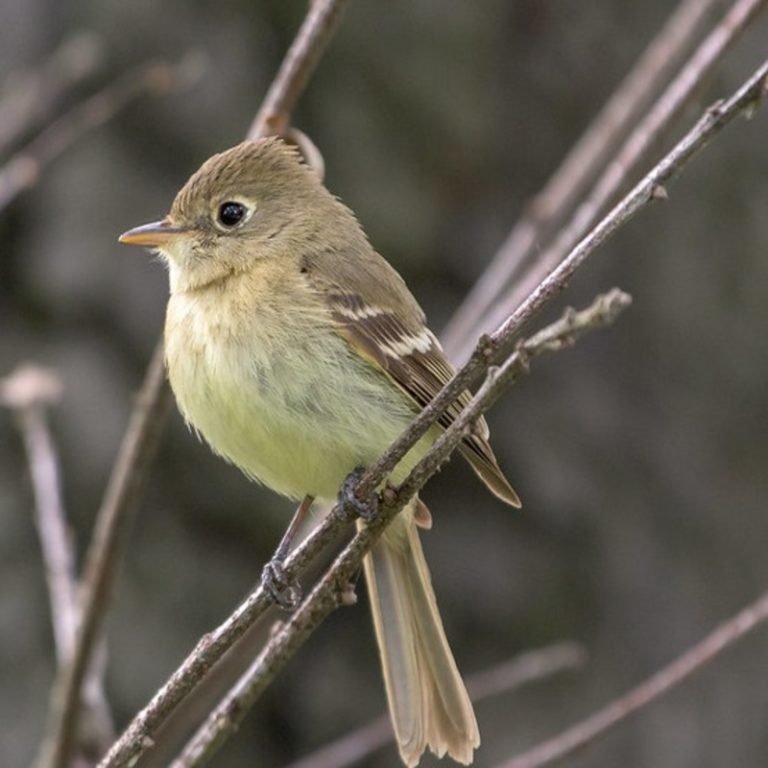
[(640, 454)]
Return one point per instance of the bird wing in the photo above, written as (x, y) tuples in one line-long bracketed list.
[(396, 341)]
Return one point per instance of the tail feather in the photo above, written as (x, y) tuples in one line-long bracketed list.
[(428, 703), (480, 457)]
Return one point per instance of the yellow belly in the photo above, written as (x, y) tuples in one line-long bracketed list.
[(293, 407)]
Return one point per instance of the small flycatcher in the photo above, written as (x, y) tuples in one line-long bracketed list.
[(299, 354)]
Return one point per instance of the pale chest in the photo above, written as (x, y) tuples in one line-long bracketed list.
[(278, 394)]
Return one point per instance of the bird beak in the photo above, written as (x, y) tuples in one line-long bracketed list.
[(153, 235)]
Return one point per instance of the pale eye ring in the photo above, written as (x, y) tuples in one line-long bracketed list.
[(231, 213)]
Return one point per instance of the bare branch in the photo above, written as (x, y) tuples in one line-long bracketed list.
[(33, 98), (28, 391), (696, 657), (301, 60), (747, 98), (603, 311), (522, 670), (112, 523), (23, 169), (501, 289), (326, 596), (139, 736)]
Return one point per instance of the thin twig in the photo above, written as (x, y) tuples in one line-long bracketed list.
[(33, 98), (141, 438), (502, 373), (114, 518), (326, 595), (669, 104), (301, 60), (139, 735), (52, 528), (28, 391), (522, 670), (696, 657), (747, 97), (547, 210), (24, 168)]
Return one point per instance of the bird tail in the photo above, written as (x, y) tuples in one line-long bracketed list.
[(428, 701)]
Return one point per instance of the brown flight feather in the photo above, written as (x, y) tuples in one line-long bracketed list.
[(399, 344)]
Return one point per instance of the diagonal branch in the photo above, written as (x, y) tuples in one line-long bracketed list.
[(650, 188), (525, 669), (696, 657), (24, 168), (493, 299), (138, 737), (547, 210)]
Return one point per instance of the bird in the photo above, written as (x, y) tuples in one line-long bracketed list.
[(298, 353)]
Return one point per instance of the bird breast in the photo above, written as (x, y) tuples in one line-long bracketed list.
[(274, 390)]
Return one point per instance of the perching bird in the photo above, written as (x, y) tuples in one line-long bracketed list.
[(299, 354)]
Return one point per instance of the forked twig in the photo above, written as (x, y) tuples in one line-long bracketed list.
[(650, 188)]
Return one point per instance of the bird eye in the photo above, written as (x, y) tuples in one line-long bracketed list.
[(231, 213)]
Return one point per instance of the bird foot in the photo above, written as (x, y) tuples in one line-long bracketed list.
[(285, 592), (351, 504)]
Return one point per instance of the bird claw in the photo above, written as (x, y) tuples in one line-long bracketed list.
[(284, 592), (353, 506)]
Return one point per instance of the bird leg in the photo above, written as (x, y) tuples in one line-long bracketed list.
[(285, 592)]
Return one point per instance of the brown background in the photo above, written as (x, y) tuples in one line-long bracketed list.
[(640, 454)]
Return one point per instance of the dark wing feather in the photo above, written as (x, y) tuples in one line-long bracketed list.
[(411, 356)]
